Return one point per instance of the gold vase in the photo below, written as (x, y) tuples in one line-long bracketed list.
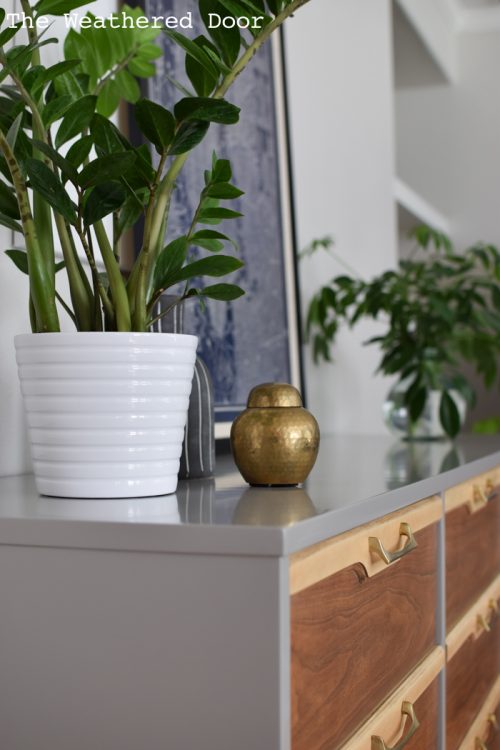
[(275, 440)]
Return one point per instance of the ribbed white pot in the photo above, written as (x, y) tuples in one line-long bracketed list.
[(106, 411)]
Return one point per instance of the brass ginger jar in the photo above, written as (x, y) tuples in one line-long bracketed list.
[(275, 441)]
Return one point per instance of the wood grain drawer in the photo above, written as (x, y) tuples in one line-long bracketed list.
[(473, 664), (484, 732), (389, 725), (359, 625), (472, 542)]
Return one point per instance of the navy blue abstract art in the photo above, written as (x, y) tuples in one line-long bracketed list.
[(255, 338)]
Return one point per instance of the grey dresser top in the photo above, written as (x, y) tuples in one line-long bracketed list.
[(356, 480)]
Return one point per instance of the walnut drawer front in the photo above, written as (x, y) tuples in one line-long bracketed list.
[(360, 625), (484, 732), (472, 541), (473, 648), (409, 718)]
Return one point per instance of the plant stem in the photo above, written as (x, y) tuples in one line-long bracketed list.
[(66, 307), (40, 284), (116, 282), (108, 307), (140, 289), (80, 297)]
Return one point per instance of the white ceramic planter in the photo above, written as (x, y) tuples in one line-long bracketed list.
[(106, 411)]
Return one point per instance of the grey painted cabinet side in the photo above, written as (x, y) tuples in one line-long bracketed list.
[(108, 650)]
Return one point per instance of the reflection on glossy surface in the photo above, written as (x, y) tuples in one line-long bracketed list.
[(161, 509), (408, 462), (197, 500), (273, 506)]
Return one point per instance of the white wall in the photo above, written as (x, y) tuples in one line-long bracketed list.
[(14, 319), (447, 140), (448, 150), (339, 61)]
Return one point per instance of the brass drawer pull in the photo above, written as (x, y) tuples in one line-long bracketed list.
[(480, 497), (492, 719), (377, 547), (406, 710), (483, 624)]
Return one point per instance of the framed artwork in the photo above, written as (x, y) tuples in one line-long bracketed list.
[(255, 339)]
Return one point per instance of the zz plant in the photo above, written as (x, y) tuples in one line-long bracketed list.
[(63, 163), (440, 309)]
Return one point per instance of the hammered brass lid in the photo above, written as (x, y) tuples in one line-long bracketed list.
[(274, 394)]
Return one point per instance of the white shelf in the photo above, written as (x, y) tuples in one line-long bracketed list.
[(412, 209), (434, 21)]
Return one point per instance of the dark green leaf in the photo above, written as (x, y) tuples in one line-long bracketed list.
[(495, 293), (6, 221), (188, 136), (20, 259), (49, 74), (108, 99), (217, 265), (7, 34), (209, 110), (156, 123), (223, 292), (204, 236), (76, 119), (71, 84), (67, 169), (213, 214), (245, 9), (102, 201), (141, 68), (204, 81), (150, 51), (13, 131), (55, 109), (214, 246), (130, 213), (58, 7), (127, 86), (192, 49), (417, 403), (106, 168), (228, 41), (224, 191), (8, 201), (169, 263), (221, 170), (107, 137), (45, 182), (449, 415), (79, 151)]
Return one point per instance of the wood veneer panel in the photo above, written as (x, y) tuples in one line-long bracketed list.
[(472, 555), (354, 639), (470, 675)]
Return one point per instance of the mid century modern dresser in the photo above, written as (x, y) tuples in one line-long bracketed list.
[(360, 612)]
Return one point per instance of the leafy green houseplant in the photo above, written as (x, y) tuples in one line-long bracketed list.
[(440, 309), (65, 167)]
